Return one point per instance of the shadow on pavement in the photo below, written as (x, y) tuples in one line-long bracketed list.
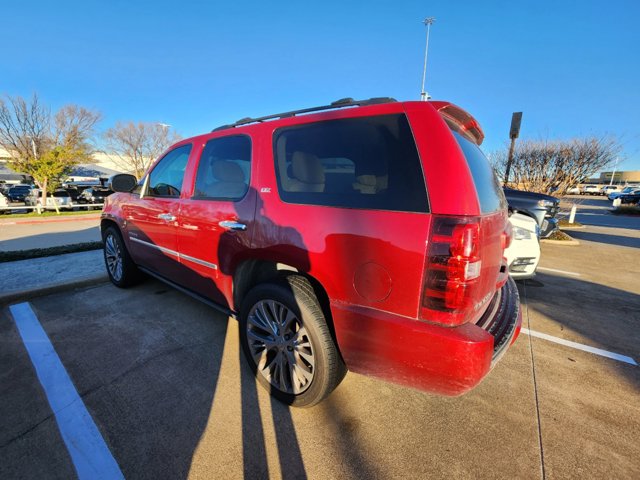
[(587, 313), (617, 240)]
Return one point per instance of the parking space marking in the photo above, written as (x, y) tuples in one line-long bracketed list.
[(89, 453), (564, 272), (580, 346)]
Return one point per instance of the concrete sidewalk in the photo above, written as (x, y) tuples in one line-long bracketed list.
[(41, 276)]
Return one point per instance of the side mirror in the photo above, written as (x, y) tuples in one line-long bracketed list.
[(123, 182)]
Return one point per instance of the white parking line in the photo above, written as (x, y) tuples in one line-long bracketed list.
[(573, 274), (579, 346), (89, 452)]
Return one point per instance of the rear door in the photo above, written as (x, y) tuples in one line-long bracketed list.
[(349, 206), (216, 220), (152, 218)]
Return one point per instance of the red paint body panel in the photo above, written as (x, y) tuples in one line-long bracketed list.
[(448, 361), (371, 263), (449, 182)]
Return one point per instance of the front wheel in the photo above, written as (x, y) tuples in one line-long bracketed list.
[(287, 342), (120, 267)]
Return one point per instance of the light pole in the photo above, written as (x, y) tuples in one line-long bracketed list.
[(424, 96), (33, 146), (615, 167)]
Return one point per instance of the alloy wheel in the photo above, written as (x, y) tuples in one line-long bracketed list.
[(280, 347), (113, 256)]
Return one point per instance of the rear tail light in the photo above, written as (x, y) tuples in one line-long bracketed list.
[(507, 236), (453, 269)]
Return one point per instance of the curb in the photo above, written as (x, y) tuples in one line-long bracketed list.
[(47, 289), (572, 227), (567, 243)]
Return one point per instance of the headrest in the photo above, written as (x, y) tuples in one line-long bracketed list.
[(307, 168), (369, 180), (371, 183), (225, 171)]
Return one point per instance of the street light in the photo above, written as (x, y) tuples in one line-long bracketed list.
[(33, 145), (615, 167), (424, 96)]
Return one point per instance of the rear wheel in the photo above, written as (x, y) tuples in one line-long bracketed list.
[(287, 342), (120, 267)]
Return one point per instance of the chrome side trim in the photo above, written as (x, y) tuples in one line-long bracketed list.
[(173, 253), (198, 261), (156, 247)]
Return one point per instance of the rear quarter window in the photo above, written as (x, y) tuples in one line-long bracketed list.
[(490, 194), (366, 163)]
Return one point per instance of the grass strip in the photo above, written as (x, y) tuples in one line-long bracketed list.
[(559, 235), (47, 252), (627, 210), (565, 223)]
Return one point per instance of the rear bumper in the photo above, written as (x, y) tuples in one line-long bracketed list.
[(444, 360)]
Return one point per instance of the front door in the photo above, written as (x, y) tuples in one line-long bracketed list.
[(152, 222), (216, 222)]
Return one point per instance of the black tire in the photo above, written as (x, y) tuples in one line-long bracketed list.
[(120, 267), (301, 343)]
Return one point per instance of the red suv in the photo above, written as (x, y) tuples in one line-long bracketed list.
[(362, 235)]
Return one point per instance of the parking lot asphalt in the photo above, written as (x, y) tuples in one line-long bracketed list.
[(164, 381)]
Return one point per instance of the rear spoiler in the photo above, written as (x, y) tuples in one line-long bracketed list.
[(460, 121)]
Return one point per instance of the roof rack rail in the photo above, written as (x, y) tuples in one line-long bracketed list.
[(343, 102)]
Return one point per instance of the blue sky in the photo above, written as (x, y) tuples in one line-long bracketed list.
[(572, 67)]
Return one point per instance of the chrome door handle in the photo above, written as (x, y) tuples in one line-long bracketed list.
[(167, 217), (231, 225)]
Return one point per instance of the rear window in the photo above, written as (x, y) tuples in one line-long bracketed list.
[(368, 163), (490, 194)]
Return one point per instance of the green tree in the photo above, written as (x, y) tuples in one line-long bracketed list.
[(45, 146)]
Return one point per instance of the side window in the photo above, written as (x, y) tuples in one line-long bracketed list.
[(165, 180), (224, 169), (368, 163), (489, 190)]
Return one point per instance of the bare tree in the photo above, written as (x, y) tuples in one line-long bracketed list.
[(554, 166), (133, 146), (42, 146)]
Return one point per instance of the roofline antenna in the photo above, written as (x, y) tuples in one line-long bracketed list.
[(424, 96)]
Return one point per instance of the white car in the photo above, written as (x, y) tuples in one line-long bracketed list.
[(607, 189), (523, 254), (573, 191), (4, 204), (61, 198), (590, 190)]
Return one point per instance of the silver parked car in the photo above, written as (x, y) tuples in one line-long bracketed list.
[(631, 189), (61, 198)]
